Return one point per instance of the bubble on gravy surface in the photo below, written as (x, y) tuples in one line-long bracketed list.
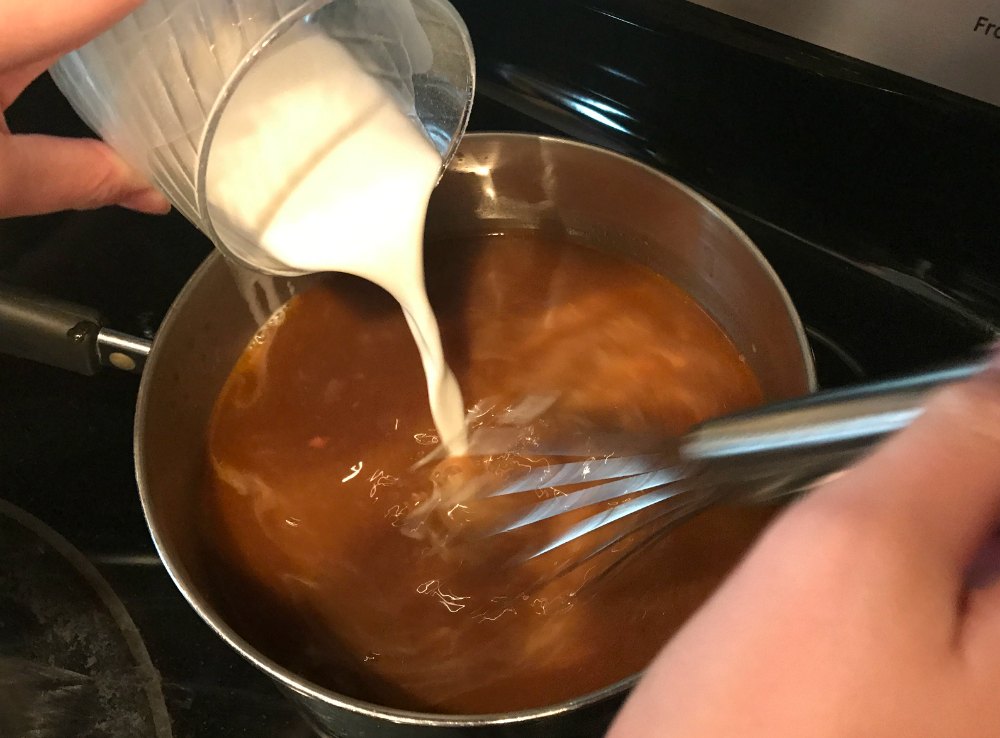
[(312, 487)]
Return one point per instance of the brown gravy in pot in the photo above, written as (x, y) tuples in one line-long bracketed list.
[(311, 483)]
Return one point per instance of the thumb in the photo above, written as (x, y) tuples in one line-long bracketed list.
[(45, 174), (935, 487), (35, 30)]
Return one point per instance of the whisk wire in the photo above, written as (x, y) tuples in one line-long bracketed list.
[(577, 472), (563, 503)]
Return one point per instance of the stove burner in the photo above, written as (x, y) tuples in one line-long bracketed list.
[(72, 663)]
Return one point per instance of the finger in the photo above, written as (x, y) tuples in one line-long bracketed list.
[(44, 174), (935, 487), (34, 30)]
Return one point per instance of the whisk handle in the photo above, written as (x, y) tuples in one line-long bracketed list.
[(837, 418)]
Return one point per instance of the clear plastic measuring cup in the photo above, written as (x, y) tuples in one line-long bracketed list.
[(156, 85)]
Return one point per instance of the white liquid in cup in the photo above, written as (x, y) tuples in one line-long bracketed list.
[(315, 162)]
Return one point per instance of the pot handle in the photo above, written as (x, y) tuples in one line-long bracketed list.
[(64, 335)]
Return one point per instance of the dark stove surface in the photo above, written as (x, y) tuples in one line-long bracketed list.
[(876, 204)]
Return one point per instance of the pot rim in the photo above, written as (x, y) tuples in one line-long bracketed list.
[(303, 687)]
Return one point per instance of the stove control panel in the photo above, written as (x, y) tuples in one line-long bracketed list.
[(954, 44)]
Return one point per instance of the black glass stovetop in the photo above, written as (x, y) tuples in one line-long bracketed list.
[(874, 197)]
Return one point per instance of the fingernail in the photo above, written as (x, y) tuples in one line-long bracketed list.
[(149, 201)]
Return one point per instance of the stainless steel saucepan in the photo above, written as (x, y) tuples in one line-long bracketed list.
[(495, 182)]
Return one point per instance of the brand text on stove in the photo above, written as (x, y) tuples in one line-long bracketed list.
[(987, 28)]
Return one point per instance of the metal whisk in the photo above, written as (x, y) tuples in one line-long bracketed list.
[(753, 457)]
